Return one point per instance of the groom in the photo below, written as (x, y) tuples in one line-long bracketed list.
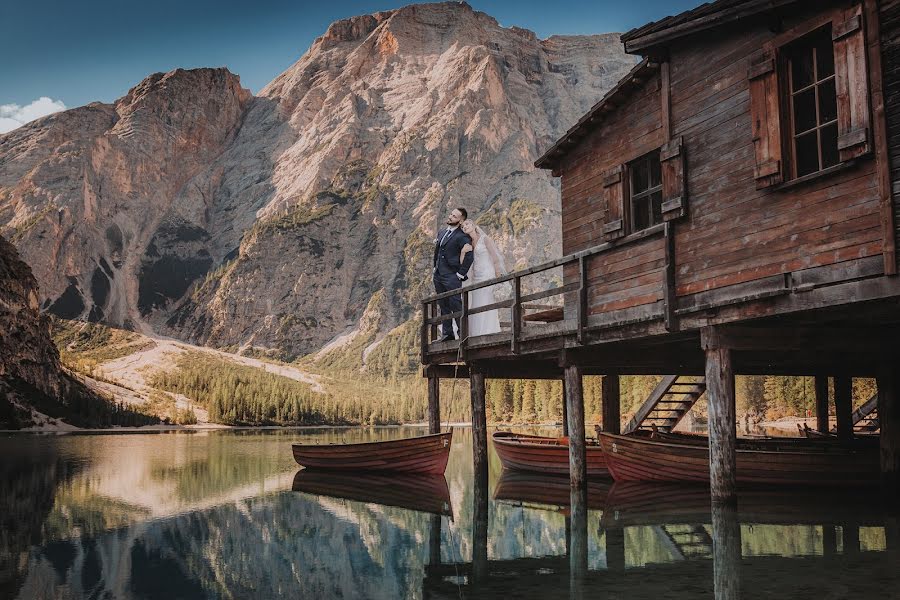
[(448, 272)]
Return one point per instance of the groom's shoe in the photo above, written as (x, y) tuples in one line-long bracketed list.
[(446, 338)]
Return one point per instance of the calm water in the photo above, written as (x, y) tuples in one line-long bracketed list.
[(216, 515)]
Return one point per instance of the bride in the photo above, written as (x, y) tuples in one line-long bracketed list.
[(488, 264)]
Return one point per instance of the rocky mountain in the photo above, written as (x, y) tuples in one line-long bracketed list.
[(272, 221)]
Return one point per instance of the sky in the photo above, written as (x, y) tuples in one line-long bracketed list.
[(60, 54)]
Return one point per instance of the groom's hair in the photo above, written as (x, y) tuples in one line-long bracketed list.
[(464, 212)]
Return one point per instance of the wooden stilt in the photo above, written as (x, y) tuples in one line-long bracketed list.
[(612, 420), (565, 412), (434, 405), (480, 523), (829, 540), (889, 419), (843, 406), (575, 404), (850, 538), (578, 548), (726, 535), (479, 421), (434, 541), (722, 421), (822, 403), (615, 549)]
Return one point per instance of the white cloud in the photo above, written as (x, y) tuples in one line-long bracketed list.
[(13, 115)]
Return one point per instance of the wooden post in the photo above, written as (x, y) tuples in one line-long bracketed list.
[(480, 523), (843, 406), (479, 422), (615, 549), (722, 421), (822, 403), (434, 405), (850, 538), (516, 315), (434, 541), (889, 419), (575, 404), (612, 420), (565, 412), (726, 535), (829, 540), (578, 548)]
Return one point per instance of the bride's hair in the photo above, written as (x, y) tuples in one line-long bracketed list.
[(491, 246)]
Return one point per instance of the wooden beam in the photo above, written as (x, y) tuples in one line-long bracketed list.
[(843, 406), (612, 419), (565, 412), (666, 98), (669, 296), (575, 402), (434, 405), (822, 403), (801, 338), (722, 420), (889, 419), (479, 421)]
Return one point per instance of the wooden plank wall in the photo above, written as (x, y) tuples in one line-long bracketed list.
[(734, 233), (890, 40)]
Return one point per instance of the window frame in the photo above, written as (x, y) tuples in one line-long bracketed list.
[(648, 193)]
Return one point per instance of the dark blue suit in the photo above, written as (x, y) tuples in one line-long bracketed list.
[(446, 268)]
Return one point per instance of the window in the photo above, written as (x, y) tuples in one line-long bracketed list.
[(646, 191), (813, 103)]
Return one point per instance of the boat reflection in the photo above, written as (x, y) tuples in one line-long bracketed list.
[(418, 492), (548, 491)]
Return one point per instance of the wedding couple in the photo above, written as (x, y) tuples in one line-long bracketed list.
[(462, 247)]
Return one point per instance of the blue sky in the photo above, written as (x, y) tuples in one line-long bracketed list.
[(76, 52)]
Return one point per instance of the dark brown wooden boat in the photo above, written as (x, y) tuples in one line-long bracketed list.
[(412, 491), (521, 452), (553, 491), (423, 454), (637, 503), (783, 461)]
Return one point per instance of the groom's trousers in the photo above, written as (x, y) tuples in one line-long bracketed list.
[(445, 283)]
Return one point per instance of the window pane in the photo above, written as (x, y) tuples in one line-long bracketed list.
[(656, 207), (827, 102), (804, 111), (655, 171), (825, 57), (807, 154), (641, 214), (829, 146), (802, 68), (639, 176)]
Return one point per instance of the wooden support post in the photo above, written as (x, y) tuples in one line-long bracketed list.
[(565, 411), (822, 403), (612, 420), (850, 538), (843, 406), (434, 541), (829, 540), (615, 549), (434, 405), (479, 422), (578, 549), (575, 405), (726, 535), (722, 421), (480, 523), (516, 316), (889, 419)]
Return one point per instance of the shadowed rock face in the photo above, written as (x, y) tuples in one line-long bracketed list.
[(271, 220)]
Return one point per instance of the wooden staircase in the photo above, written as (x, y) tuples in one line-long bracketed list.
[(865, 418), (686, 541), (668, 403)]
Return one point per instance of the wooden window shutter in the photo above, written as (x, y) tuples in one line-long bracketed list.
[(674, 191), (614, 191), (766, 121), (852, 83)]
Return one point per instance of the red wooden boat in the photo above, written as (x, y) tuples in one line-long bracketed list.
[(413, 491), (423, 454), (797, 461), (521, 452)]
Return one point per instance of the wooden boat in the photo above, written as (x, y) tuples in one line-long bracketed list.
[(521, 452), (554, 491), (423, 454), (413, 491), (638, 503), (796, 461)]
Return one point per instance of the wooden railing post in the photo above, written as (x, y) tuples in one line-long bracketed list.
[(582, 299), (516, 315), (464, 325), (423, 332)]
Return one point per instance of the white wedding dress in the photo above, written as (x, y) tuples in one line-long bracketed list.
[(483, 269)]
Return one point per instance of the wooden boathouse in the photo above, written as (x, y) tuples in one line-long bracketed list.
[(731, 206)]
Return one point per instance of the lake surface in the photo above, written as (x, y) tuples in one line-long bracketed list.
[(216, 515)]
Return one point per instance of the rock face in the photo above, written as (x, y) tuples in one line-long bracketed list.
[(271, 221)]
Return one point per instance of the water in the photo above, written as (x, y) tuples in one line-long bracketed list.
[(214, 515)]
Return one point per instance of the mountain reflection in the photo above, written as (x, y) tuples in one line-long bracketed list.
[(228, 515)]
